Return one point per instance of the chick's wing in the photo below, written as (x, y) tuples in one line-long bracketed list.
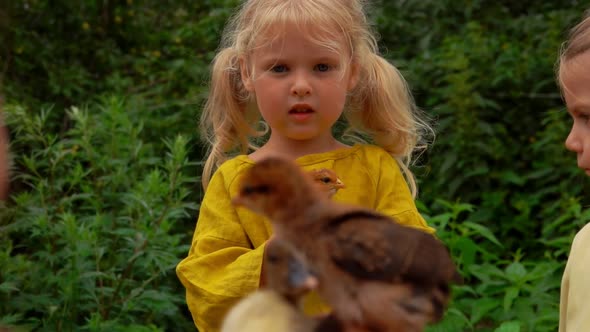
[(371, 246)]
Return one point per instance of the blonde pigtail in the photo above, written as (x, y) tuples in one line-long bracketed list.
[(225, 124), (383, 108)]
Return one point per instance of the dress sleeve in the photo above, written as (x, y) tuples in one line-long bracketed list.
[(574, 313), (393, 194), (563, 297), (222, 265)]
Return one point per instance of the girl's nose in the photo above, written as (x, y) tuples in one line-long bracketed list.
[(301, 85), (572, 142)]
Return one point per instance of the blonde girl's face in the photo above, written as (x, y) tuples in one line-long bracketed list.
[(300, 86), (575, 80)]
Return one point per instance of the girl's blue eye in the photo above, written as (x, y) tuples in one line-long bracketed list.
[(322, 67), (279, 69)]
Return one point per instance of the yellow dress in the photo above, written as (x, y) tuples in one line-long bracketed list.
[(574, 311), (224, 261)]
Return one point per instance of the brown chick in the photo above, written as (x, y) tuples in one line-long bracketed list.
[(286, 271), (275, 307), (374, 273), (328, 180), (288, 275), (278, 254)]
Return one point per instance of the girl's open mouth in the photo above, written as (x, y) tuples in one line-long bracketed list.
[(301, 112), (301, 115)]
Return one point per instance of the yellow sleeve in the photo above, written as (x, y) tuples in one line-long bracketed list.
[(393, 194), (222, 265)]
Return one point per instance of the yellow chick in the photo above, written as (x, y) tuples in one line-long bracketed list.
[(266, 310)]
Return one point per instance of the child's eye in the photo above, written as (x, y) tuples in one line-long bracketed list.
[(322, 67), (584, 117), (278, 69)]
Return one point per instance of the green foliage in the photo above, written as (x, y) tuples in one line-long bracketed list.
[(515, 290), (152, 52), (104, 190), (498, 183), (96, 230)]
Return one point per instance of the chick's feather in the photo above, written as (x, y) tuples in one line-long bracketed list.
[(275, 307), (327, 180), (404, 273), (266, 310), (286, 271)]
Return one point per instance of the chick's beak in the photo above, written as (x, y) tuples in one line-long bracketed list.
[(300, 278), (339, 184)]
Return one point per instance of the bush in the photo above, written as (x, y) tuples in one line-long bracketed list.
[(503, 192), (105, 195), (98, 225)]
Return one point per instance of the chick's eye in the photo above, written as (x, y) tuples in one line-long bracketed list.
[(260, 189), (263, 189), (326, 180), (273, 258)]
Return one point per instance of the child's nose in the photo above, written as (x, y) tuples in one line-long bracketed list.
[(301, 85), (572, 142)]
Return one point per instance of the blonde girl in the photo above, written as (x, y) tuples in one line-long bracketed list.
[(574, 79), (297, 65)]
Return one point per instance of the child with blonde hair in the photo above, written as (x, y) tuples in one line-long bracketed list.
[(299, 65), (574, 79)]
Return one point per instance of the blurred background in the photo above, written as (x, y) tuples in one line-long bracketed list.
[(102, 99)]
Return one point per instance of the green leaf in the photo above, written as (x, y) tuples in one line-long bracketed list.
[(7, 287), (511, 294), (511, 326), (481, 307), (467, 249), (483, 231), (515, 271)]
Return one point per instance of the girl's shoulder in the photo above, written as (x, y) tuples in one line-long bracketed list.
[(376, 158), (374, 153), (235, 164), (230, 170), (580, 252), (582, 238)]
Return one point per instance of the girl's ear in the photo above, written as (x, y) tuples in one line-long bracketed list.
[(353, 79), (245, 75)]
